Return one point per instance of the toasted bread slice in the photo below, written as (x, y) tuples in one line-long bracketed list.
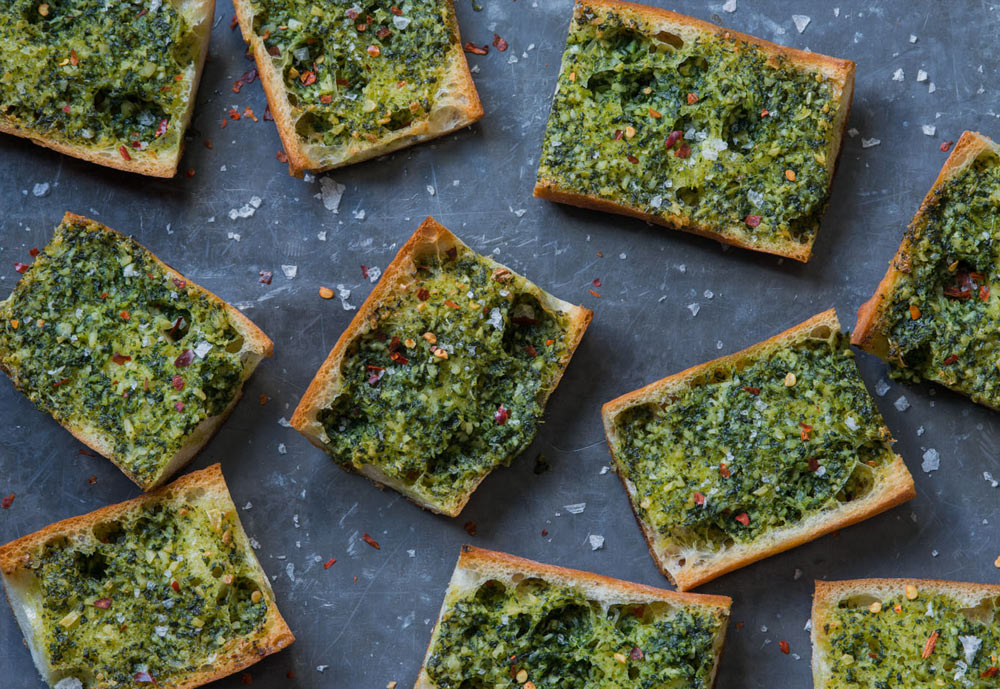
[(505, 618), (936, 313), (346, 85), (163, 589), (443, 374), (111, 92), (131, 357), (682, 123), (905, 633), (754, 453)]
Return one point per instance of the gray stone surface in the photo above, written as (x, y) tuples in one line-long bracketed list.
[(305, 510)]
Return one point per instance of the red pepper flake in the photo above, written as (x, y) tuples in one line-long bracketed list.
[(60, 382), (7, 501), (743, 518), (330, 563), (597, 282), (326, 99), (352, 13), (952, 358), (636, 653), (764, 112), (66, 108), (673, 138), (102, 603), (990, 671), (501, 415), (125, 315), (452, 253), (399, 358), (274, 50), (162, 129), (396, 11), (21, 267), (813, 464), (752, 390), (237, 85), (545, 532), (180, 284), (92, 480), (449, 303), (143, 677), (375, 375), (308, 77), (234, 23), (223, 125), (806, 430), (143, 13), (370, 541), (364, 271), (88, 453), (683, 151), (265, 277), (423, 295), (631, 158), (124, 152), (120, 358), (945, 146), (594, 293), (234, 114), (471, 47), (175, 586), (692, 98), (931, 643), (361, 27), (383, 32), (752, 220), (34, 251), (263, 399), (190, 172), (179, 406), (984, 292), (724, 471), (619, 134), (281, 156), (184, 359), (246, 678), (783, 645), (532, 352), (699, 499), (470, 528), (499, 43), (177, 382)]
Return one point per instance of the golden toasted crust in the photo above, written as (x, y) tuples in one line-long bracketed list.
[(431, 238), (477, 565), (893, 486), (839, 71), (142, 162), (238, 653), (828, 595), (460, 107), (256, 345), (870, 330)]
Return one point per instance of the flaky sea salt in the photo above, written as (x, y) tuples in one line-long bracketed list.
[(801, 22), (932, 460)]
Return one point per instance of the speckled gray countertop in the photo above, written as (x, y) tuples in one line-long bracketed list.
[(302, 509)]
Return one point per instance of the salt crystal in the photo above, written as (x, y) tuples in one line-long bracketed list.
[(401, 22), (797, 575), (374, 273), (881, 387), (694, 309), (41, 189), (596, 542), (920, 431), (575, 508), (851, 423), (623, 255), (248, 506), (605, 469), (430, 190), (344, 295), (729, 6), (282, 450), (331, 191), (934, 553), (321, 236), (931, 88), (852, 132), (932, 460), (988, 477), (913, 39), (709, 294), (68, 683), (290, 271), (801, 22), (284, 422), (921, 75), (202, 348), (359, 215), (898, 75), (929, 129), (902, 404), (321, 668), (255, 201), (868, 143)]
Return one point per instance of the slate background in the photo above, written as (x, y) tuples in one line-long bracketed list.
[(306, 510)]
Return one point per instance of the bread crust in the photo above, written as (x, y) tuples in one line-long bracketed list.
[(894, 487), (431, 237), (829, 593), (275, 634), (839, 71), (476, 565), (256, 346), (872, 325), (143, 163), (458, 109)]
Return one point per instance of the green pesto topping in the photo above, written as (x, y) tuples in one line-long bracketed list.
[(749, 451), (744, 120), (358, 71), (99, 335), (159, 593), (951, 281), (453, 381), (560, 639), (96, 73), (894, 649)]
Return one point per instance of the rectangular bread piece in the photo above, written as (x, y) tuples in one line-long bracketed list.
[(346, 83), (936, 314), (131, 357), (94, 80), (754, 453), (506, 619), (683, 123), (905, 633), (163, 590), (443, 374)]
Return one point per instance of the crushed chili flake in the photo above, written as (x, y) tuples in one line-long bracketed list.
[(66, 108), (618, 134), (370, 541), (499, 43), (984, 292), (21, 267), (752, 390), (93, 479), (501, 415), (594, 293), (931, 643), (914, 312), (471, 47), (329, 563), (813, 464), (399, 358), (545, 532), (124, 152), (597, 282), (752, 220), (102, 603), (246, 678), (120, 358), (364, 271), (73, 59), (179, 406), (532, 352), (396, 11), (383, 32), (631, 158), (175, 586), (177, 382), (470, 528), (449, 303), (699, 499), (7, 501), (248, 112), (143, 677), (673, 138), (636, 653), (950, 359), (743, 518), (683, 151), (783, 645), (692, 98), (945, 146), (263, 399), (806, 430), (990, 671), (234, 114), (237, 85), (234, 23), (352, 13), (724, 471), (764, 113), (274, 50), (423, 294), (265, 277), (88, 453), (184, 358), (190, 172)]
